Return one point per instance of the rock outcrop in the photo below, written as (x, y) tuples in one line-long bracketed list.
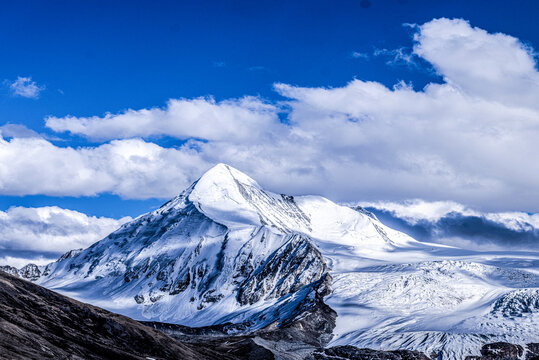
[(36, 323), (354, 353), (507, 351)]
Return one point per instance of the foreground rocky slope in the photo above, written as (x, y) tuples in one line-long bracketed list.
[(36, 323)]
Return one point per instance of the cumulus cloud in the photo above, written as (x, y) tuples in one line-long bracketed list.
[(50, 230), (471, 139), (25, 87), (436, 143), (241, 120), (455, 224), (495, 67), (130, 168), (17, 130)]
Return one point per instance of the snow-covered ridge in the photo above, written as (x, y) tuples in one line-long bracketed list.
[(226, 251), (223, 248), (233, 199)]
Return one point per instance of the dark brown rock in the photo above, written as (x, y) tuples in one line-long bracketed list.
[(354, 353), (499, 351), (532, 352), (36, 323)]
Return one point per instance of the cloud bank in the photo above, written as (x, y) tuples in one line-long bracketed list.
[(19, 260), (37, 234), (471, 139), (129, 168), (240, 120), (454, 224)]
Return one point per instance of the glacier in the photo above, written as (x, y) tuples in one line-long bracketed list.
[(227, 252)]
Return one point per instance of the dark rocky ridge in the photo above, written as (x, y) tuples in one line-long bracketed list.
[(296, 264), (353, 353), (29, 272), (10, 270), (310, 321), (36, 323), (507, 351)]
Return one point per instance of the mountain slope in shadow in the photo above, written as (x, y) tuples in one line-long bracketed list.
[(36, 323)]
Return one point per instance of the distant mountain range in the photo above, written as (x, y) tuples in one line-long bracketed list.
[(228, 256)]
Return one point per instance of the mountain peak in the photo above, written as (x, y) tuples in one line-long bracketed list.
[(231, 198), (223, 175), (221, 194)]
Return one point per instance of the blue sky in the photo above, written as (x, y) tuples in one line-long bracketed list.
[(111, 55), (304, 96), (100, 56)]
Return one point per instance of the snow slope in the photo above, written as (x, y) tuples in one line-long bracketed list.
[(227, 251)]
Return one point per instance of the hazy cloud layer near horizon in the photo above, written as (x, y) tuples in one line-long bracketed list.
[(41, 234), (454, 224)]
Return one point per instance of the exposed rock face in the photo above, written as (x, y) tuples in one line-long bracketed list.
[(311, 321), (30, 272), (503, 351), (306, 321), (10, 270), (69, 254), (294, 265), (36, 323), (353, 353), (532, 351), (517, 303)]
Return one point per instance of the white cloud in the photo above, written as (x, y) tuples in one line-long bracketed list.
[(494, 67), (471, 139), (436, 144), (400, 56), (242, 119), (25, 87), (517, 221), (50, 229), (360, 55), (17, 130), (130, 168), (20, 261), (455, 224), (414, 211)]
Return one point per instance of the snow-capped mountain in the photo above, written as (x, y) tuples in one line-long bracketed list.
[(225, 251)]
